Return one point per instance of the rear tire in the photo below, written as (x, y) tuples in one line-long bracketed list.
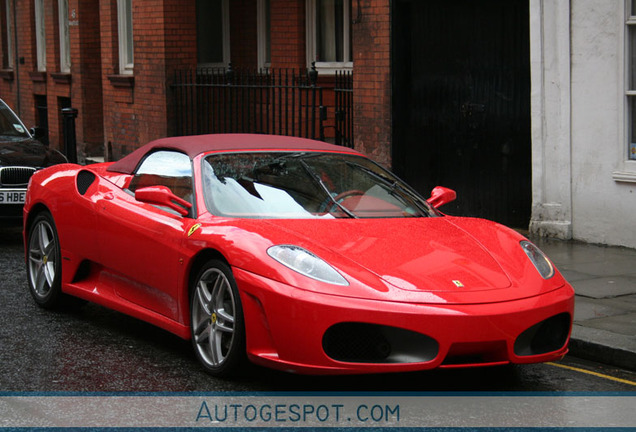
[(44, 265), (216, 320)]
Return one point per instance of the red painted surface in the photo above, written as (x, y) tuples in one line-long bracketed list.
[(401, 272)]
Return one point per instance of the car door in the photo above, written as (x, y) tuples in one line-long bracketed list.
[(141, 243)]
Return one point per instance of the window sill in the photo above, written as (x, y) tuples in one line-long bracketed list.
[(37, 76), (330, 68), (125, 81), (625, 172), (624, 176), (6, 74), (61, 77)]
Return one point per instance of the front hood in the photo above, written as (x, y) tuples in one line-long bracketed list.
[(419, 254), (27, 152)]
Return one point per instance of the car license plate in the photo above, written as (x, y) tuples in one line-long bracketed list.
[(12, 196)]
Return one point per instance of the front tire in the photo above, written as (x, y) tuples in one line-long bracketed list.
[(216, 320), (44, 266)]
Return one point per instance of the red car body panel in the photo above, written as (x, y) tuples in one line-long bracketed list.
[(466, 283)]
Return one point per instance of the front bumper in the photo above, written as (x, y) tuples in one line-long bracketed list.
[(292, 330)]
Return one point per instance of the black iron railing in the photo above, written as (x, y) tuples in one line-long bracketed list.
[(344, 108), (281, 102)]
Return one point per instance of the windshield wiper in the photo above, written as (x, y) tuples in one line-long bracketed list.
[(393, 185), (318, 180)]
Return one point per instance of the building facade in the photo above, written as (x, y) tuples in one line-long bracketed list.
[(523, 106), (583, 117)]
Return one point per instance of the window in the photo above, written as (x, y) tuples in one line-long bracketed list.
[(40, 35), (626, 169), (125, 31), (165, 168), (264, 32), (329, 34), (7, 36), (65, 43), (213, 33)]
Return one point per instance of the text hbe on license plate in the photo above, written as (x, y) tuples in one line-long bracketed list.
[(12, 197)]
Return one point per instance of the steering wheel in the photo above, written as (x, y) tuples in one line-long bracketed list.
[(346, 194), (329, 204)]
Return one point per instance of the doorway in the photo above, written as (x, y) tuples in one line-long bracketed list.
[(461, 103)]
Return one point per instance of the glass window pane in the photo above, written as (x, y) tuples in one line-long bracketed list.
[(330, 30), (632, 57), (210, 31), (65, 50), (7, 37), (632, 129), (268, 29), (129, 32), (40, 35), (633, 8)]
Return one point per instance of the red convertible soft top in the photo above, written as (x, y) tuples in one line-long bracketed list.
[(197, 144)]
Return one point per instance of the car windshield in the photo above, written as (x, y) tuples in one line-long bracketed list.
[(10, 125), (305, 185)]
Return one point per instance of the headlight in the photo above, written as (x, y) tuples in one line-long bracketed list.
[(306, 263), (538, 258)]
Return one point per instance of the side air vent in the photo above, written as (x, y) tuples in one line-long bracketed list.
[(84, 180)]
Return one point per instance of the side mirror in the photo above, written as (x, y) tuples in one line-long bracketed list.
[(38, 133), (163, 196), (440, 196)]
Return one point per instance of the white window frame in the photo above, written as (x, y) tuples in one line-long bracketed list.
[(65, 39), (264, 36), (125, 32), (225, 10), (327, 67), (9, 35), (40, 36), (626, 168)]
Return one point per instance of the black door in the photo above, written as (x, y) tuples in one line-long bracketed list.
[(461, 103)]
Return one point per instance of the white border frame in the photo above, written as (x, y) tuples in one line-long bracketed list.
[(9, 35), (326, 67), (262, 34), (126, 66), (40, 35), (65, 36), (625, 168)]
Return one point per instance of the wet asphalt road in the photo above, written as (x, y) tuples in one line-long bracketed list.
[(89, 348)]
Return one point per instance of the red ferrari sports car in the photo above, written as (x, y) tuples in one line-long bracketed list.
[(295, 254)]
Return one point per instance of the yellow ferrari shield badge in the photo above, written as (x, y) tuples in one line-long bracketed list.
[(193, 228)]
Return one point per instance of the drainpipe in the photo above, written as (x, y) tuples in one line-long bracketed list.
[(16, 60)]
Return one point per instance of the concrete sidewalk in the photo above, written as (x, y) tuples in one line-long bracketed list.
[(604, 279)]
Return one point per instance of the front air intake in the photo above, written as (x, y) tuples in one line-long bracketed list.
[(544, 337), (372, 343)]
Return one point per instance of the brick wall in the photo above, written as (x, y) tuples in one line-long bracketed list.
[(372, 79), (8, 84), (86, 71), (120, 113), (136, 108), (288, 34)]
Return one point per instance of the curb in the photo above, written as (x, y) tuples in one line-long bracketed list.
[(603, 346)]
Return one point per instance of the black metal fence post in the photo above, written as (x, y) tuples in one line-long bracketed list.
[(68, 129)]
